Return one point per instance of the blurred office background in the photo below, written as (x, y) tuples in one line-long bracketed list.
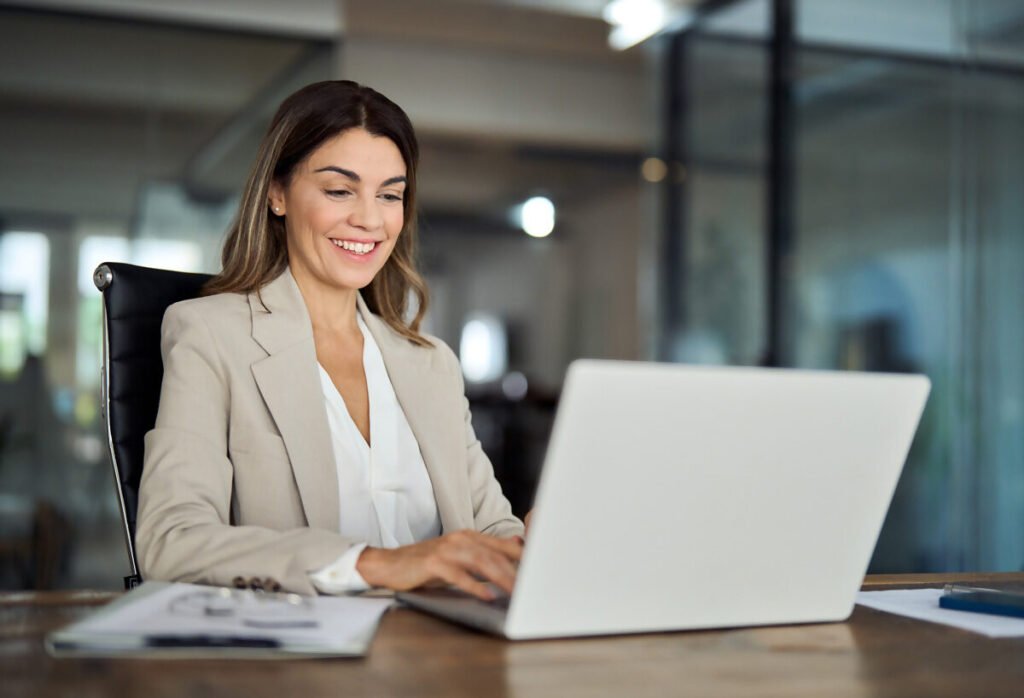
[(810, 183)]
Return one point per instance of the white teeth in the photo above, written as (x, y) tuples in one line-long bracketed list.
[(357, 247)]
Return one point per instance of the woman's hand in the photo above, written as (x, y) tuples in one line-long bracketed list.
[(461, 559)]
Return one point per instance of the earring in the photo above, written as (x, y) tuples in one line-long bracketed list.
[(277, 209)]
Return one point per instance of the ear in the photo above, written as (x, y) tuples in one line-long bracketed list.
[(275, 198)]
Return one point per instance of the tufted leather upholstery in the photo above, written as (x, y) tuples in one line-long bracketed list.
[(134, 301)]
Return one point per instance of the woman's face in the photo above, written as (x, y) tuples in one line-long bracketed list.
[(343, 209)]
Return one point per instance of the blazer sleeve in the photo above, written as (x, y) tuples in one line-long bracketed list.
[(492, 512), (183, 529)]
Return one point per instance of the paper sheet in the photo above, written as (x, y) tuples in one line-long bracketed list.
[(923, 604), (336, 626)]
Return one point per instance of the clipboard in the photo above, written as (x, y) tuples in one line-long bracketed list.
[(189, 621)]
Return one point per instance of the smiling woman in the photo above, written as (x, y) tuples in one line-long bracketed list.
[(312, 128), (343, 222), (309, 437)]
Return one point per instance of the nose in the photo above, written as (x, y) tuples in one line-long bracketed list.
[(366, 214)]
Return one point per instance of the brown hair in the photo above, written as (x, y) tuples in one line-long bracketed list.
[(255, 251)]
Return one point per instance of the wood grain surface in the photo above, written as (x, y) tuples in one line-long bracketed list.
[(872, 654)]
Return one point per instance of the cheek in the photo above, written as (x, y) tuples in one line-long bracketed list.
[(310, 212), (394, 220), (324, 217)]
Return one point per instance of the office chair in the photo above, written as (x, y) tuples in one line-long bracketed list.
[(134, 301)]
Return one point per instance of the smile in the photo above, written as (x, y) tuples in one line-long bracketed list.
[(359, 248)]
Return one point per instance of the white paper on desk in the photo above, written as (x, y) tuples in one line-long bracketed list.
[(345, 626), (923, 604)]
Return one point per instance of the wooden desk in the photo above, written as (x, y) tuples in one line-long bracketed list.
[(413, 655)]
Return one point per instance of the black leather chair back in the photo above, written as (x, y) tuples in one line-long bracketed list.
[(134, 301)]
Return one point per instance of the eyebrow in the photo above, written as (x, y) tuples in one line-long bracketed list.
[(356, 178)]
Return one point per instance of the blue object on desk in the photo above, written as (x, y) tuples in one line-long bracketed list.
[(1003, 603)]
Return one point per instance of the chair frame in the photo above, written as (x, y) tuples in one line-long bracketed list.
[(103, 277)]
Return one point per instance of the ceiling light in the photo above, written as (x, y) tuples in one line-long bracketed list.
[(654, 169), (636, 20), (537, 216)]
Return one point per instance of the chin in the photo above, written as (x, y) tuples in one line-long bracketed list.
[(353, 281)]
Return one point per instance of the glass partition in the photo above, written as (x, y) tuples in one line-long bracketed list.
[(905, 248)]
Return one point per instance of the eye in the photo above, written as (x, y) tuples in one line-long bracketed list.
[(339, 193), (391, 197)]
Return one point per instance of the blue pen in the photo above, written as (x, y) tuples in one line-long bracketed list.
[(979, 600)]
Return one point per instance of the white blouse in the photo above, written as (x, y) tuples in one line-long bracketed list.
[(384, 493)]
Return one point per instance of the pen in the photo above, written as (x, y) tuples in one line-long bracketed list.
[(212, 641), (959, 597), (965, 589)]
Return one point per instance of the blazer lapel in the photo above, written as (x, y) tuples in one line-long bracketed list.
[(289, 381), (423, 392)]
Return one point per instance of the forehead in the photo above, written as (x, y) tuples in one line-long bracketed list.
[(357, 150)]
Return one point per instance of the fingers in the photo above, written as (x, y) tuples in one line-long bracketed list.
[(496, 568), (479, 556), (464, 581), (511, 548), (485, 557), (464, 559)]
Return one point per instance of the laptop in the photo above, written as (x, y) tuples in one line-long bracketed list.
[(678, 497)]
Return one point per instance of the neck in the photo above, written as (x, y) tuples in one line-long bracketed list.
[(330, 308)]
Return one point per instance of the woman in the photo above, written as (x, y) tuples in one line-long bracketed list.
[(309, 437)]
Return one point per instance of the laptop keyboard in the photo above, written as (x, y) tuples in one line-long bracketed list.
[(500, 602)]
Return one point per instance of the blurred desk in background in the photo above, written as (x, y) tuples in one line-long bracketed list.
[(414, 655)]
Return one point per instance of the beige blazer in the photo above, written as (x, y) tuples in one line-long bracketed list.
[(239, 477)]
